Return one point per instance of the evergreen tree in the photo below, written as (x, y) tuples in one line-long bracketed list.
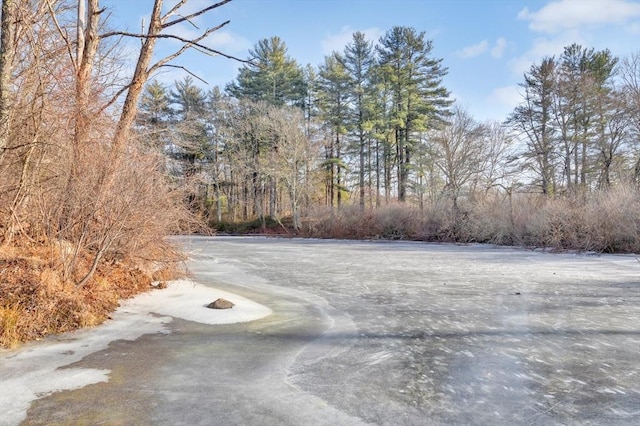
[(609, 118), (311, 97), (153, 115), (217, 106), (334, 109), (382, 131), (358, 60), (419, 98), (630, 79), (189, 98), (191, 144), (575, 103), (273, 76), (533, 119)]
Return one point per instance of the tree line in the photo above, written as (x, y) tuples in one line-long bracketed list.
[(579, 120), (374, 124)]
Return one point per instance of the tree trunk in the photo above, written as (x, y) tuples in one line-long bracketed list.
[(338, 171), (80, 26), (273, 197), (398, 153), (85, 63), (362, 153), (7, 53), (387, 170), (377, 160), (140, 77)]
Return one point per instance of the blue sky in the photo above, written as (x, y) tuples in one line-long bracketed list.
[(486, 45)]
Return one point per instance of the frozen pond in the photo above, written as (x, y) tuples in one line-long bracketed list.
[(368, 333)]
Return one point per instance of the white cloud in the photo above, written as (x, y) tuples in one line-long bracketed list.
[(542, 47), (506, 96), (337, 42), (561, 15), (594, 23), (499, 103), (473, 50), (498, 49), (480, 48), (227, 41)]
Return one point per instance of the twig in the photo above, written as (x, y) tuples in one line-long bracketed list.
[(185, 70), (193, 15)]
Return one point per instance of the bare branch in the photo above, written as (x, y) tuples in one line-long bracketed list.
[(191, 22), (173, 10), (188, 43), (114, 98), (125, 34), (145, 36), (193, 15), (185, 70), (63, 35)]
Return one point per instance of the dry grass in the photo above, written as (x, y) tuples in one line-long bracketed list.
[(607, 221), (35, 299)]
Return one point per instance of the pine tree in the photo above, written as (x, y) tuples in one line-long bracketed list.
[(382, 131), (358, 60), (190, 146), (630, 76), (334, 110), (311, 97), (419, 98), (609, 114), (273, 76), (217, 110), (154, 114), (533, 119)]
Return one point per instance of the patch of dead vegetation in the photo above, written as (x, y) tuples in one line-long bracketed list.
[(600, 221), (35, 300)]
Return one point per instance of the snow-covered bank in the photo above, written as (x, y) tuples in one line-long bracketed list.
[(188, 300), (34, 370)]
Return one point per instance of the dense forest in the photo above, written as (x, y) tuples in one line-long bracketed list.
[(99, 163)]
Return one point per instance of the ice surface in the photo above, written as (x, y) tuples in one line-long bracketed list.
[(34, 371), (367, 333)]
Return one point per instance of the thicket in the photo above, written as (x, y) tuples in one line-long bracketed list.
[(603, 221), (85, 205)]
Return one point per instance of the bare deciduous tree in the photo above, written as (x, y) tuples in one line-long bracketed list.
[(7, 53), (290, 160), (67, 181), (458, 149), (630, 74)]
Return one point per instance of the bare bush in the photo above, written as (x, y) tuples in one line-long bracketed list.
[(77, 191), (613, 220), (397, 222), (606, 221), (491, 221)]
